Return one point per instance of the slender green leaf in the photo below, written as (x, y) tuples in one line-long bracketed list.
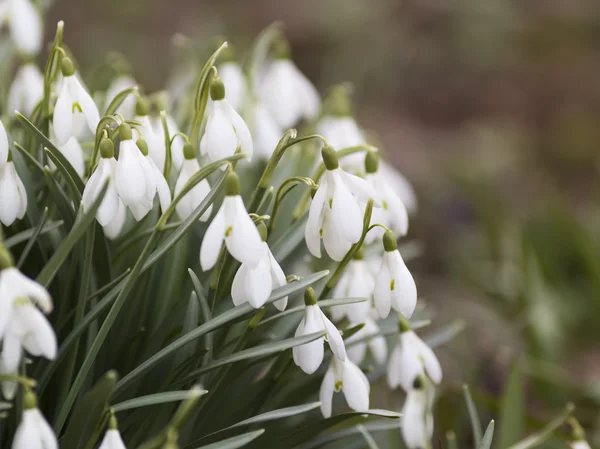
[(235, 442), (76, 193), (24, 235), (85, 220), (488, 436), (367, 436), (289, 241), (474, 416), (225, 318), (539, 437), (512, 410), (446, 334), (158, 398), (119, 99), (29, 157), (34, 236)]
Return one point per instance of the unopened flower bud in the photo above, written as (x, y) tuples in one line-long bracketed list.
[(371, 162), (143, 146), (125, 132), (232, 184), (310, 297), (107, 148), (330, 159), (66, 66), (389, 241), (217, 90)]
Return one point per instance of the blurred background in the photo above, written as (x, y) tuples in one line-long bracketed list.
[(492, 109)]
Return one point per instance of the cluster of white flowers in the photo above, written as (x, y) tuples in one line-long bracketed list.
[(280, 98)]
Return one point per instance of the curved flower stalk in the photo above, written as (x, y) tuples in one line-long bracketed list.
[(394, 285), (105, 172), (417, 420), (194, 197), (392, 213), (112, 438), (233, 225), (74, 108), (357, 281), (33, 431), (286, 92), (335, 214), (177, 143), (254, 284), (137, 178), (370, 339), (118, 84), (310, 355), (344, 376), (410, 359), (13, 197), (225, 130), (156, 144), (27, 89), (25, 23)]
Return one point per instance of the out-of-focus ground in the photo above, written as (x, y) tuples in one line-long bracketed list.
[(492, 109)]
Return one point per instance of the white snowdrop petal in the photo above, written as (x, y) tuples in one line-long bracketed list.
[(27, 435), (74, 154), (243, 240), (393, 374), (164, 194), (10, 203), (241, 130), (235, 83), (359, 187), (310, 355), (356, 387), (279, 93), (113, 229), (11, 352), (346, 214), (258, 284), (238, 289), (22, 194), (220, 139), (129, 174), (413, 420), (336, 343), (88, 107), (26, 27), (43, 334), (400, 185), (3, 145), (335, 245), (430, 361), (112, 440), (403, 291), (309, 96), (382, 293), (213, 240), (28, 288), (408, 363), (326, 392), (63, 115), (278, 280)]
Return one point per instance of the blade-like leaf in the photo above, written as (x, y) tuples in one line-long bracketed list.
[(227, 317), (367, 436), (158, 398), (24, 235), (474, 416), (34, 236), (75, 192), (539, 437), (289, 241), (119, 99), (488, 436), (234, 442), (512, 410), (446, 334)]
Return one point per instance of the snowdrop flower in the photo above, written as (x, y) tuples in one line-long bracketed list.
[(310, 355), (266, 133), (233, 225), (225, 130), (411, 358), (137, 177), (357, 281), (254, 284), (13, 197), (25, 22), (286, 92), (344, 376), (369, 337), (417, 418), (233, 78), (33, 431), (156, 145), (119, 84), (72, 151), (74, 106), (27, 89), (112, 438), (392, 213), (335, 214), (113, 229), (105, 172), (194, 197), (394, 285), (400, 185)]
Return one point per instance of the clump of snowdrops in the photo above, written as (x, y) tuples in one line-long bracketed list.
[(187, 269)]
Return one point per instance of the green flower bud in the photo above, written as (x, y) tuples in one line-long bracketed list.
[(125, 132), (330, 158), (66, 66), (310, 297), (389, 241), (107, 148), (232, 184), (217, 89), (142, 107), (188, 151), (143, 146), (262, 229), (371, 162), (30, 400)]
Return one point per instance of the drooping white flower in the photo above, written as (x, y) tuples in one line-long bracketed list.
[(357, 281), (254, 284), (138, 179), (369, 337), (74, 107), (392, 213), (156, 144), (112, 438), (417, 417), (266, 133), (14, 285), (117, 85), (225, 130), (233, 225), (335, 213), (235, 84), (344, 376), (104, 172), (400, 185), (33, 432), (194, 197), (72, 151), (286, 92), (394, 285), (27, 89), (310, 355), (25, 22), (411, 358), (13, 197)]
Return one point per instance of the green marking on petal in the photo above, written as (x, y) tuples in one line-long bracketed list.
[(338, 385), (330, 203), (228, 231), (392, 285), (321, 232), (21, 301), (385, 205), (76, 106)]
